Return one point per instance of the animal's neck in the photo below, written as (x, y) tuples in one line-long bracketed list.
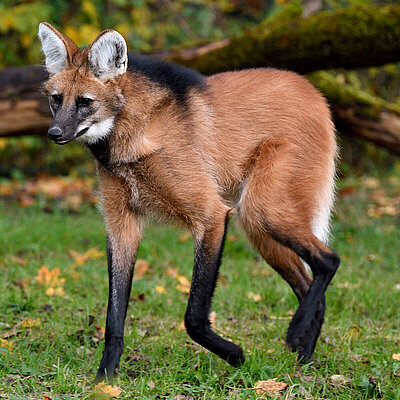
[(135, 133)]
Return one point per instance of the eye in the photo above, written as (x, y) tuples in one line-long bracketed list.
[(84, 101), (57, 98)]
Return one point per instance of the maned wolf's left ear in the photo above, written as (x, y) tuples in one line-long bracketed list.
[(108, 55), (57, 48)]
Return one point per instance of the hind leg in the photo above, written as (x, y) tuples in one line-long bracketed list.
[(277, 205)]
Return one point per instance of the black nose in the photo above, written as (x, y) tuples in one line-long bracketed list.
[(55, 134)]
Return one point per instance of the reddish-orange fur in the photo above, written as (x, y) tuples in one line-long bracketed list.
[(258, 142)]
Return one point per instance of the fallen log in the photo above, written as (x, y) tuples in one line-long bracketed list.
[(346, 38)]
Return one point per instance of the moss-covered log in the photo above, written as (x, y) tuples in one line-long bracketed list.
[(349, 38)]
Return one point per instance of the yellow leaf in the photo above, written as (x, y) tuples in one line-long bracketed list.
[(181, 326), (82, 258), (161, 289), (396, 356), (6, 344), (113, 391), (59, 291), (271, 386), (49, 278), (183, 285), (29, 323)]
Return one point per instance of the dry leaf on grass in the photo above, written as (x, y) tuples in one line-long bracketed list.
[(253, 296), (339, 380), (29, 323), (396, 356), (183, 285), (82, 258), (161, 289), (181, 326), (141, 267), (271, 386), (49, 277), (98, 334), (46, 397), (102, 388), (6, 344), (55, 291)]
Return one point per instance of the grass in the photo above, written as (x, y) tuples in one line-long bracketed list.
[(59, 357)]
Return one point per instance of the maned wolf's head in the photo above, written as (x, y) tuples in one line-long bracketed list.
[(83, 88)]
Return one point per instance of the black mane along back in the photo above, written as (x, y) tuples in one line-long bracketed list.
[(178, 79)]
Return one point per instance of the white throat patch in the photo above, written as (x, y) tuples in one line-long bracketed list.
[(98, 131)]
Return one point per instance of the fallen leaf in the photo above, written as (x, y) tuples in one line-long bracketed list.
[(29, 323), (82, 258), (339, 380), (49, 278), (59, 291), (161, 289), (255, 297), (396, 356), (98, 334), (271, 386), (183, 285), (181, 326), (141, 267), (19, 260), (113, 391), (6, 344), (46, 397)]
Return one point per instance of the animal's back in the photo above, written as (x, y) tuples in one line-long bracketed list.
[(268, 107)]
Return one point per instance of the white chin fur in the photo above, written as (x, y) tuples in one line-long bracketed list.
[(98, 131)]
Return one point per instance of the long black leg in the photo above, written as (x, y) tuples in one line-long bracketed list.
[(208, 252), (305, 326), (120, 271)]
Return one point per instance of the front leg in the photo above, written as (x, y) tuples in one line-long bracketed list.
[(123, 237), (208, 251), (121, 263)]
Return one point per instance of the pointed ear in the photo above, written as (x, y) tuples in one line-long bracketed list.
[(57, 48), (108, 55)]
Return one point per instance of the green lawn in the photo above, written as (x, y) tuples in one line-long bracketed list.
[(58, 356)]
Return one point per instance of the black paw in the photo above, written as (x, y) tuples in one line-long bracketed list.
[(236, 357), (303, 333), (109, 364)]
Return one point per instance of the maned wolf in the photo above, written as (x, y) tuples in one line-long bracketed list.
[(174, 144)]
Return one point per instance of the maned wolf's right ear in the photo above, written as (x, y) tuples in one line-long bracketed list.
[(108, 55), (57, 48)]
